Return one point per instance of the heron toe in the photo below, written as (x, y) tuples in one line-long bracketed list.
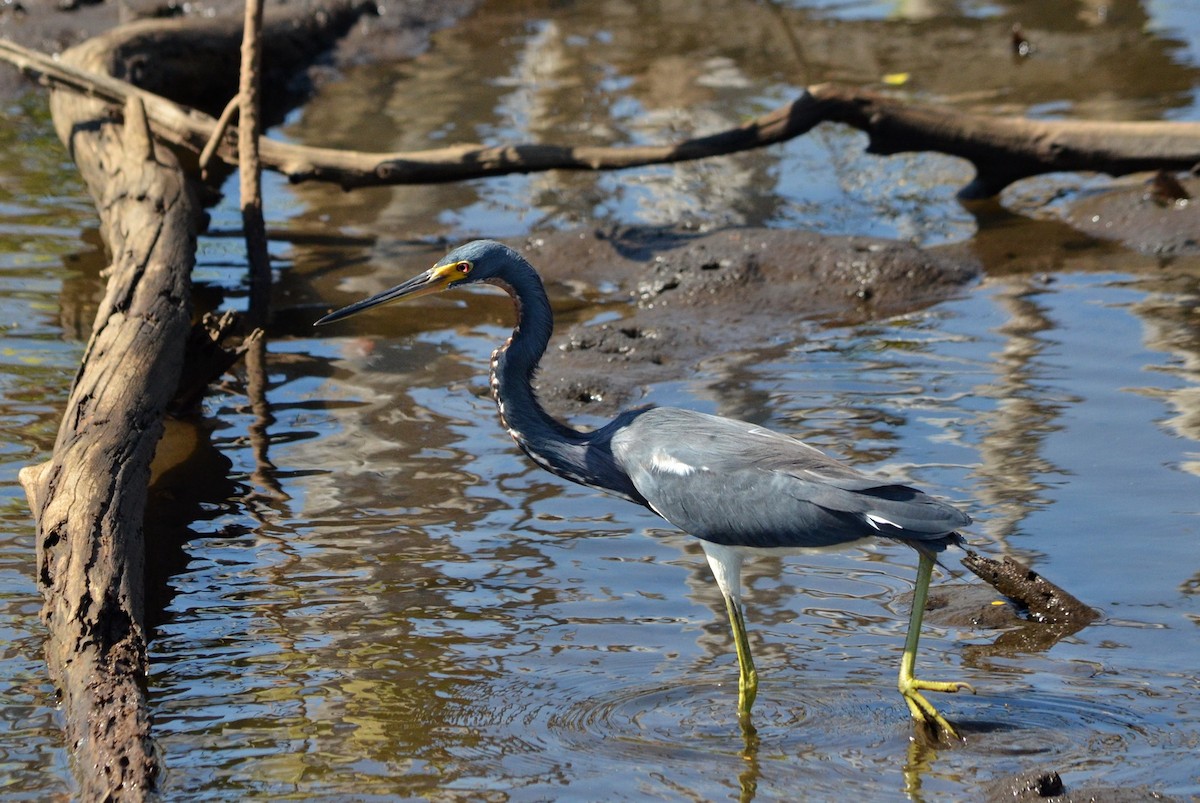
[(923, 711)]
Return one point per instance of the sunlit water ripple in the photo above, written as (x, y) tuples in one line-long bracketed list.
[(395, 605)]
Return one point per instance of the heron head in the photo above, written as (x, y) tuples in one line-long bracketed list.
[(478, 261)]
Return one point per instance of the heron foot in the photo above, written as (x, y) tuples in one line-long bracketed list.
[(923, 711)]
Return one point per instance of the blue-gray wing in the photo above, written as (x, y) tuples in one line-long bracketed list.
[(731, 482)]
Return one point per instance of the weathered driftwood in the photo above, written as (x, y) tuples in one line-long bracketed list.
[(1052, 613), (1002, 149), (89, 499)]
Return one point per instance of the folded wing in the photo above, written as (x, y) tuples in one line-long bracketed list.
[(735, 483)]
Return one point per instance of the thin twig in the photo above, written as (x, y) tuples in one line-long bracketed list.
[(249, 166), (210, 149), (259, 258)]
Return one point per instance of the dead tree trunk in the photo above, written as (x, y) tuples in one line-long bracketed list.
[(90, 498)]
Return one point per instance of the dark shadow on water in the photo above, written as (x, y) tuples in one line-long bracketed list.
[(189, 484)]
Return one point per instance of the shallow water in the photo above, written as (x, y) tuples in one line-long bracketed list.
[(390, 602)]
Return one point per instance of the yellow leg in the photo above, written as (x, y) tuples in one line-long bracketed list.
[(921, 709), (748, 678)]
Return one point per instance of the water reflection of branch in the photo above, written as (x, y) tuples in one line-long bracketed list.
[(263, 475), (1010, 449)]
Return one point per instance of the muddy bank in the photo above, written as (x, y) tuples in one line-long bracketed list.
[(1157, 214), (684, 297)]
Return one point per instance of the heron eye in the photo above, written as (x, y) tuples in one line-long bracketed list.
[(463, 267)]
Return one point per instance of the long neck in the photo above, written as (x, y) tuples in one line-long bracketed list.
[(555, 446), (514, 365)]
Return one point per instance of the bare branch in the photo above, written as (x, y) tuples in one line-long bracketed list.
[(249, 166), (1002, 149), (210, 149), (90, 498)]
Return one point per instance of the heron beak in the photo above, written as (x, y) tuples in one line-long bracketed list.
[(434, 280)]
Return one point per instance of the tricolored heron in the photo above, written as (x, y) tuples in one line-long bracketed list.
[(740, 488)]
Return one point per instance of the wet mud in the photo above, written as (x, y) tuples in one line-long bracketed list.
[(683, 297), (1154, 214), (1047, 784)]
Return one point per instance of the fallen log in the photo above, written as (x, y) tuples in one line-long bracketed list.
[(90, 497)]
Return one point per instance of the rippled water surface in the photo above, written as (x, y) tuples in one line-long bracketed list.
[(370, 594)]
